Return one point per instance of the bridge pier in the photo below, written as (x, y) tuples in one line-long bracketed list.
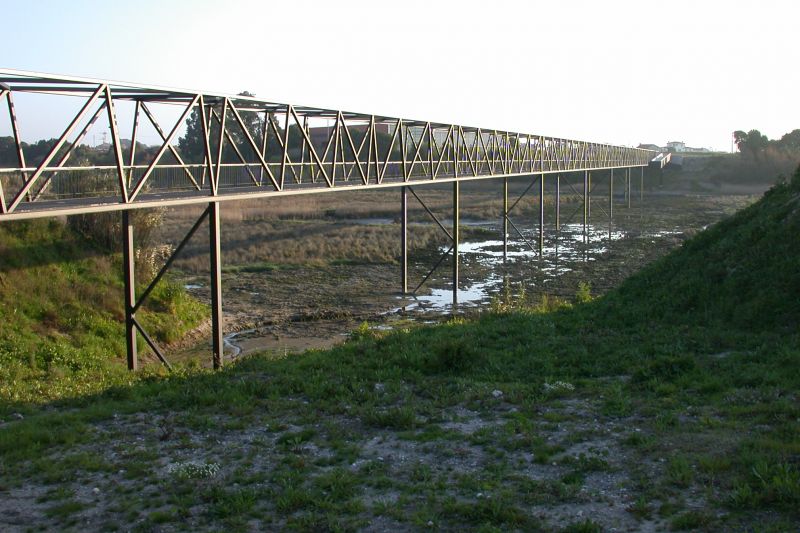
[(541, 215), (215, 257), (128, 255), (455, 241), (505, 219), (133, 303), (558, 203), (586, 180), (641, 185), (404, 238), (589, 199), (628, 186), (610, 202)]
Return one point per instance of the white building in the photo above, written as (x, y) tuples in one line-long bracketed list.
[(676, 146)]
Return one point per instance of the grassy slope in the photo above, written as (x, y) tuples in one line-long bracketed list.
[(701, 351), (61, 311)]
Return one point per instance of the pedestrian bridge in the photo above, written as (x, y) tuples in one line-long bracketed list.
[(213, 148)]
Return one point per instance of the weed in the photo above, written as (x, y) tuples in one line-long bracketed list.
[(679, 472), (64, 509), (690, 520), (401, 418), (641, 508), (583, 293), (586, 526)]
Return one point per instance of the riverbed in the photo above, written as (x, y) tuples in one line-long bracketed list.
[(298, 307)]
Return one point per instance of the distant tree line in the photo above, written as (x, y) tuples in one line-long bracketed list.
[(756, 145), (760, 160), (191, 148), (191, 145), (82, 154)]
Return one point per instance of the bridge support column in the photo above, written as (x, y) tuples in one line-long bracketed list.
[(610, 199), (404, 238), (128, 258), (589, 198), (541, 215), (628, 186), (217, 346), (641, 186), (558, 202), (455, 241), (585, 202), (505, 219)]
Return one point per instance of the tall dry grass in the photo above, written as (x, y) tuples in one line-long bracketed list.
[(324, 228)]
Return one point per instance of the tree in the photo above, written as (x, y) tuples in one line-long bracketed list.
[(191, 145), (790, 141), (753, 143)]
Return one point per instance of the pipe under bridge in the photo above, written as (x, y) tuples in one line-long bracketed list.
[(235, 147)]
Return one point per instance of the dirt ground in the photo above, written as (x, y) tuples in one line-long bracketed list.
[(293, 307)]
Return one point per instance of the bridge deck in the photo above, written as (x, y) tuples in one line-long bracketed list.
[(235, 147)]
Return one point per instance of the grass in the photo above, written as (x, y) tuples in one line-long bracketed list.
[(61, 310), (680, 387)]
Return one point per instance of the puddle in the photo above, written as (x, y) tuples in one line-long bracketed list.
[(561, 249)]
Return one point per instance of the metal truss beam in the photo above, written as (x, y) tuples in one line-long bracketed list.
[(452, 237), (383, 151), (134, 303)]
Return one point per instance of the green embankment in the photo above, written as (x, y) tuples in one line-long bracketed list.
[(61, 311), (696, 359)]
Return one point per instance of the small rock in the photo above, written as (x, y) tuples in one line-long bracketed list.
[(17, 416), (380, 387), (497, 393), (479, 495), (430, 523), (95, 490)]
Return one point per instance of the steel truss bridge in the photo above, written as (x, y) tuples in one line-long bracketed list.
[(246, 148)]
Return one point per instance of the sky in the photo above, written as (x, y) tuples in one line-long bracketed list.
[(622, 72)]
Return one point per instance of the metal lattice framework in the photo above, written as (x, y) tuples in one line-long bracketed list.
[(239, 147), (270, 149)]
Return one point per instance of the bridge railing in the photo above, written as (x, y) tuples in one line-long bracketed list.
[(219, 147)]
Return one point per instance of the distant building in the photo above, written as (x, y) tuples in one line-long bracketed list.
[(320, 134), (651, 147), (676, 146)]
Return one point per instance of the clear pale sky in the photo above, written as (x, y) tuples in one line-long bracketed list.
[(623, 72)]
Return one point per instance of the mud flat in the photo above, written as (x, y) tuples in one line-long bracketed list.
[(290, 308)]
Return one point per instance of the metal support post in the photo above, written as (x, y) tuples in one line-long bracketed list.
[(404, 237), (610, 202), (585, 201), (128, 257), (628, 186), (455, 242), (541, 214), (558, 202), (505, 219), (216, 284), (589, 197), (611, 198), (641, 186)]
